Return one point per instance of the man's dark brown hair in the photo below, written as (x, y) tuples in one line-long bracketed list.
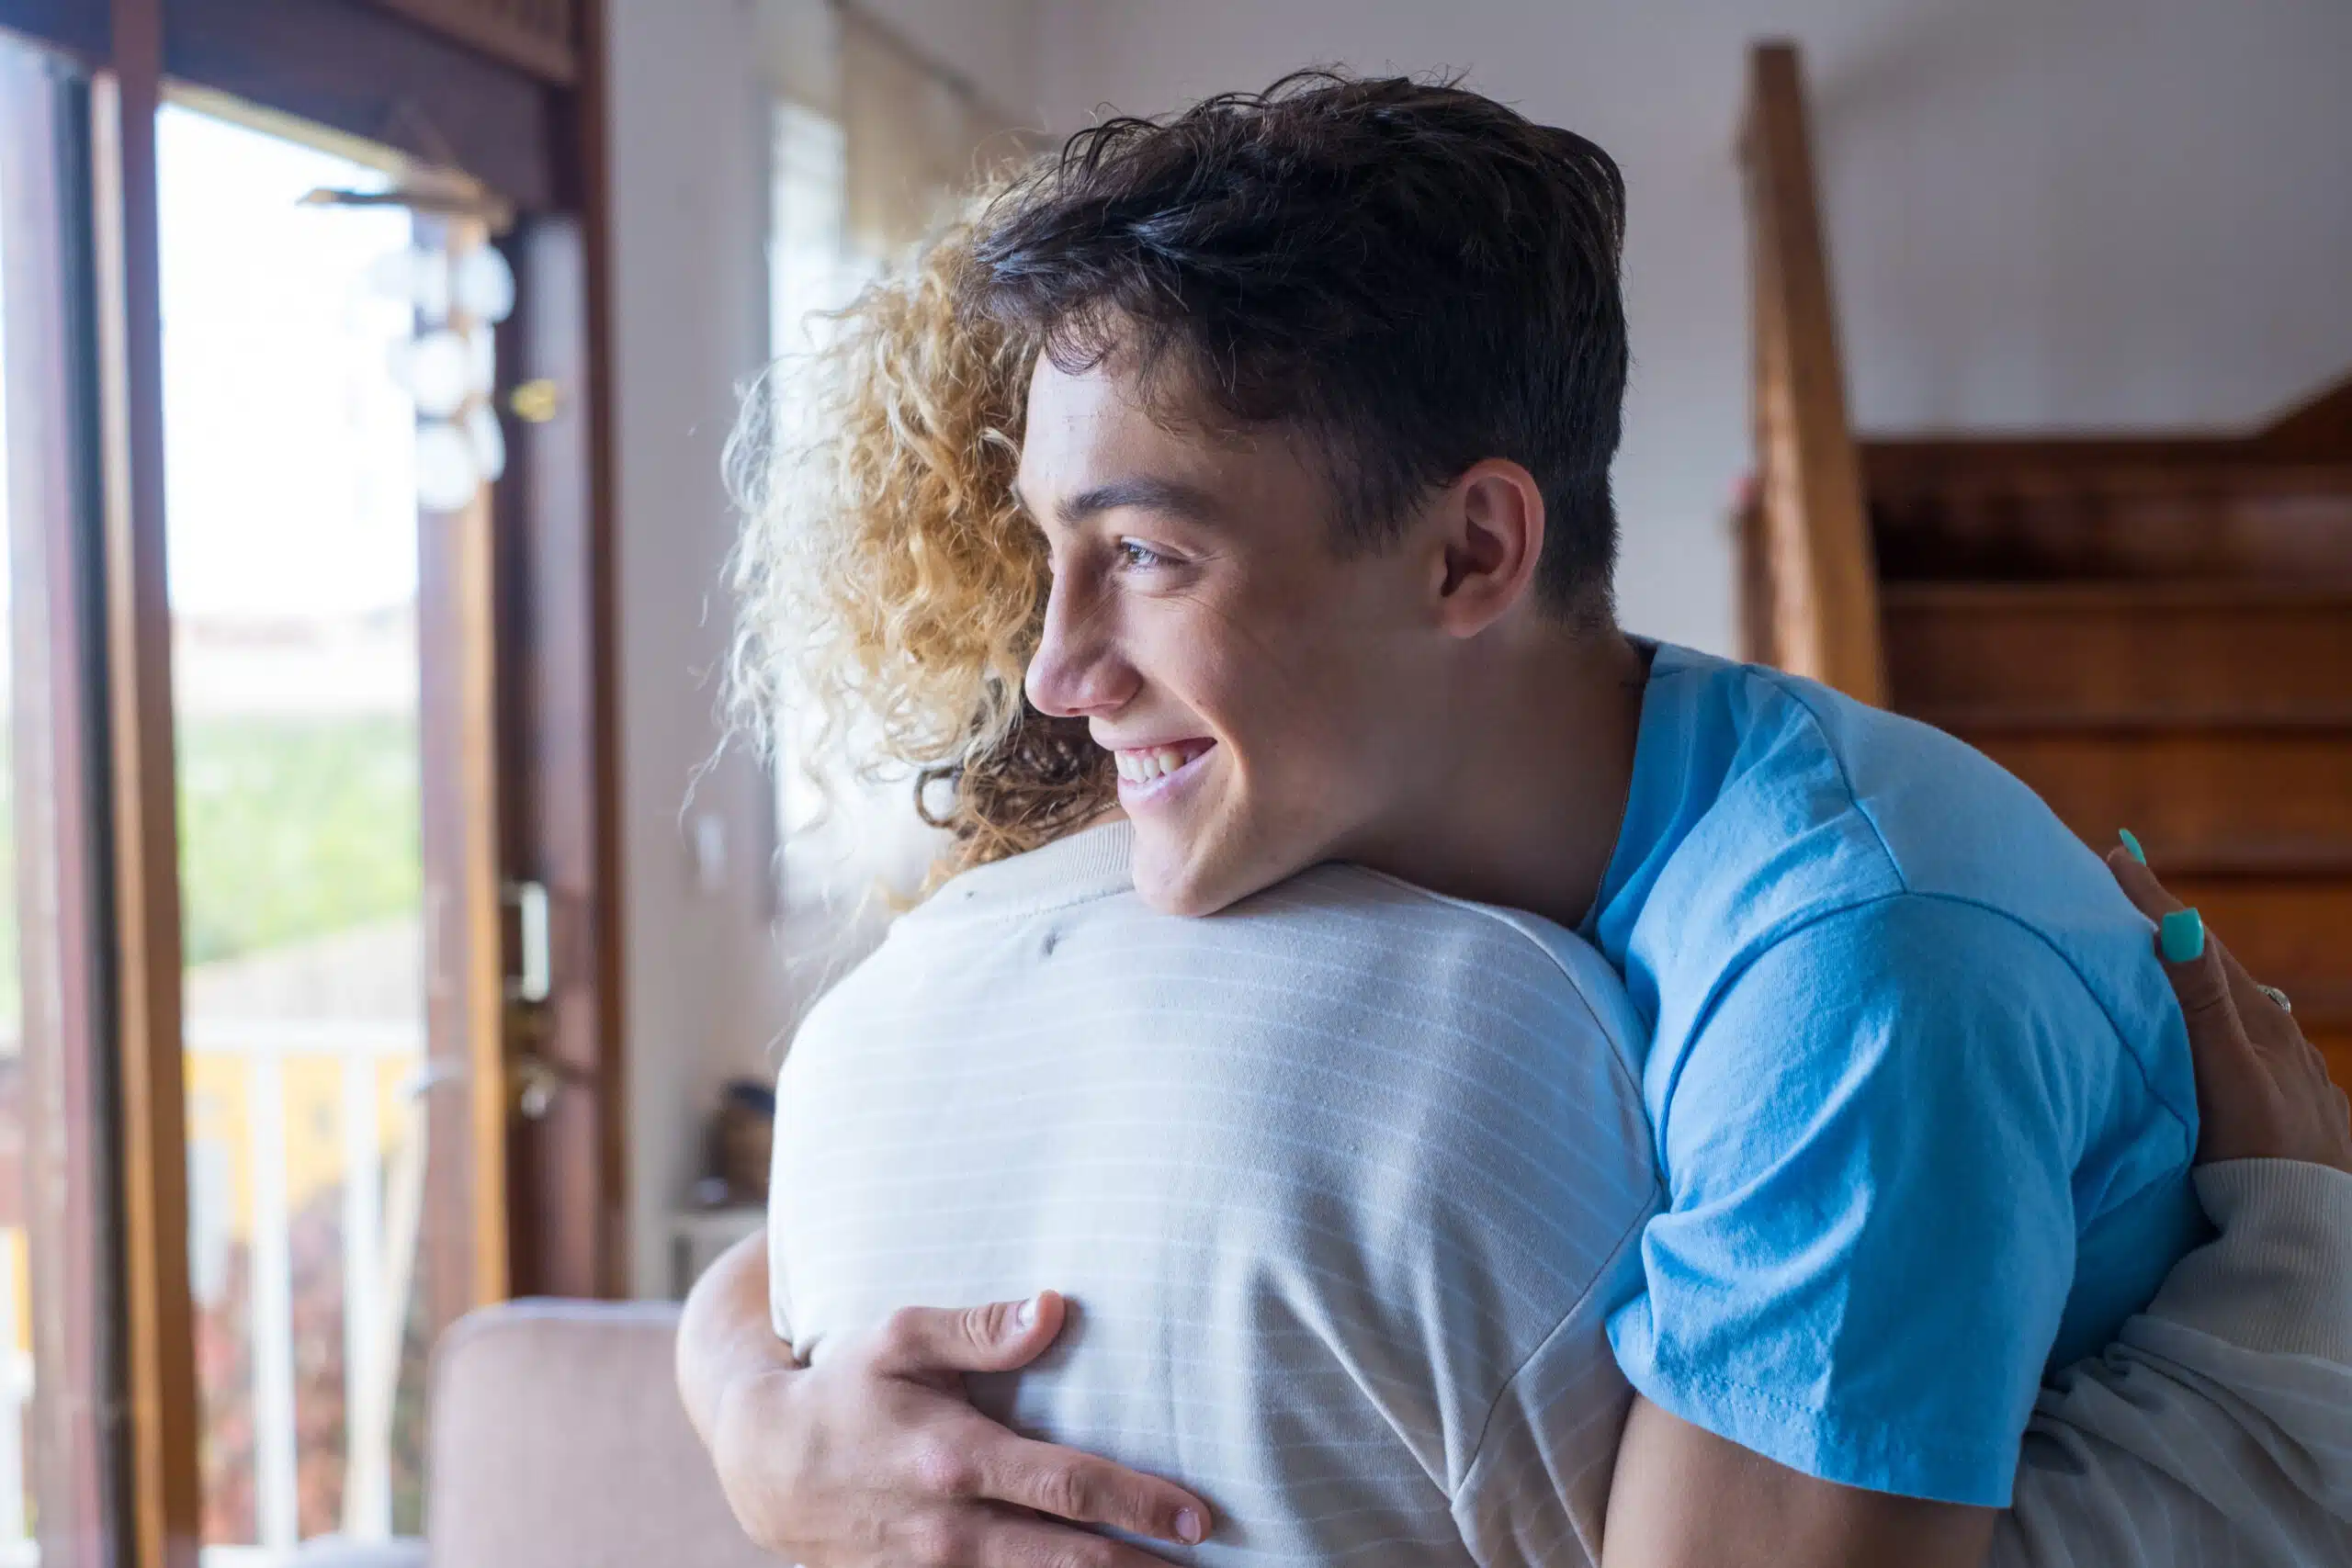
[(1412, 275)]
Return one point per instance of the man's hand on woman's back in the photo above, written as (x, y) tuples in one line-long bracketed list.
[(877, 1458)]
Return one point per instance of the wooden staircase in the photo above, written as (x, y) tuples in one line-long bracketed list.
[(2153, 634), (2159, 639)]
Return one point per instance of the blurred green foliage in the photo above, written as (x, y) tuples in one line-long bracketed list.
[(289, 829), (295, 828)]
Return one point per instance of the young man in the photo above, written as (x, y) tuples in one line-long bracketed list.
[(1320, 444), (1320, 441)]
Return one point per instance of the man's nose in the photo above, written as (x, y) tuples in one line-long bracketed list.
[(1078, 670)]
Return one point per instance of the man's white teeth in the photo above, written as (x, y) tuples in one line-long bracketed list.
[(1146, 763)]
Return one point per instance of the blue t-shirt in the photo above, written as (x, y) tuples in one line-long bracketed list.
[(1921, 1092)]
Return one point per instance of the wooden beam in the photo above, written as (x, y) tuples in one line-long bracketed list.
[(542, 40), (167, 1502), (368, 73), (78, 27), (1823, 584)]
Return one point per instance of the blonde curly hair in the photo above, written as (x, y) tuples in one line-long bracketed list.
[(884, 574)]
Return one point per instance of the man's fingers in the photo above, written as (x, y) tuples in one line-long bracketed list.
[(977, 1461), (925, 1342), (1087, 1490)]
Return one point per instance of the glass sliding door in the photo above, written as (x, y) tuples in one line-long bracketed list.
[(326, 443), (270, 688)]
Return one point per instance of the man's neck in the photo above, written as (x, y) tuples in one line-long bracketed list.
[(1539, 759)]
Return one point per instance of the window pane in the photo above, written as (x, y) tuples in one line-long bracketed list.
[(842, 835), (291, 515)]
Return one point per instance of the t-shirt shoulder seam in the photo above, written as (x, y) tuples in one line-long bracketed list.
[(2122, 1038), (1630, 1236), (1784, 684)]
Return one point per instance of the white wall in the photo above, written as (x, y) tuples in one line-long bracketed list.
[(2041, 212), (690, 87), (2080, 212)]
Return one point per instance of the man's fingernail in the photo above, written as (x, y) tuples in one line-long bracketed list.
[(2181, 936), (1188, 1527), (1025, 1314), (2131, 845)]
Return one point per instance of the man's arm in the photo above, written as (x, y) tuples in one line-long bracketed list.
[(724, 1337), (1867, 1252), (1686, 1498), (2219, 1429), (877, 1457)]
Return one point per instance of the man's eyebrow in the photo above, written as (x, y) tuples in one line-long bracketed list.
[(1143, 492)]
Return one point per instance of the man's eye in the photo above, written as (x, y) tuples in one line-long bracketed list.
[(1140, 555)]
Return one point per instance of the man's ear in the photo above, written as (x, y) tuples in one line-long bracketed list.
[(1492, 521)]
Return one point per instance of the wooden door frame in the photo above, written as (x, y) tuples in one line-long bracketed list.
[(166, 1503), (67, 1173), (555, 591)]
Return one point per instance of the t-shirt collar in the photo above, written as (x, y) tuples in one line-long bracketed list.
[(1655, 752), (1093, 863)]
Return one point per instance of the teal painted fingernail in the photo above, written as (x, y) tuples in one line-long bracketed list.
[(2181, 936), (2132, 843)]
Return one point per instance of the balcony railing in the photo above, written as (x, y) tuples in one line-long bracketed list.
[(251, 1168)]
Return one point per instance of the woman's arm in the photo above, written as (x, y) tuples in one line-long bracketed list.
[(2218, 1430), (877, 1458)]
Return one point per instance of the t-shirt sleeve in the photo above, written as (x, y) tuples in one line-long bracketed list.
[(1870, 1143)]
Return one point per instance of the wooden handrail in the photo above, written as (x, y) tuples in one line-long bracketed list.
[(1810, 587)]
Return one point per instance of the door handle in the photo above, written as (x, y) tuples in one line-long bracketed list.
[(535, 983)]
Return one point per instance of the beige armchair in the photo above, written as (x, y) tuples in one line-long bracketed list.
[(557, 1442)]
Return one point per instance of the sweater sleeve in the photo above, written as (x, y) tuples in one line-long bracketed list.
[(2218, 1429)]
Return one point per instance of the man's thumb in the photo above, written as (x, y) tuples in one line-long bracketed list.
[(996, 1337)]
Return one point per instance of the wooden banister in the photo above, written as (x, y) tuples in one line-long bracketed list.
[(1810, 591)]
